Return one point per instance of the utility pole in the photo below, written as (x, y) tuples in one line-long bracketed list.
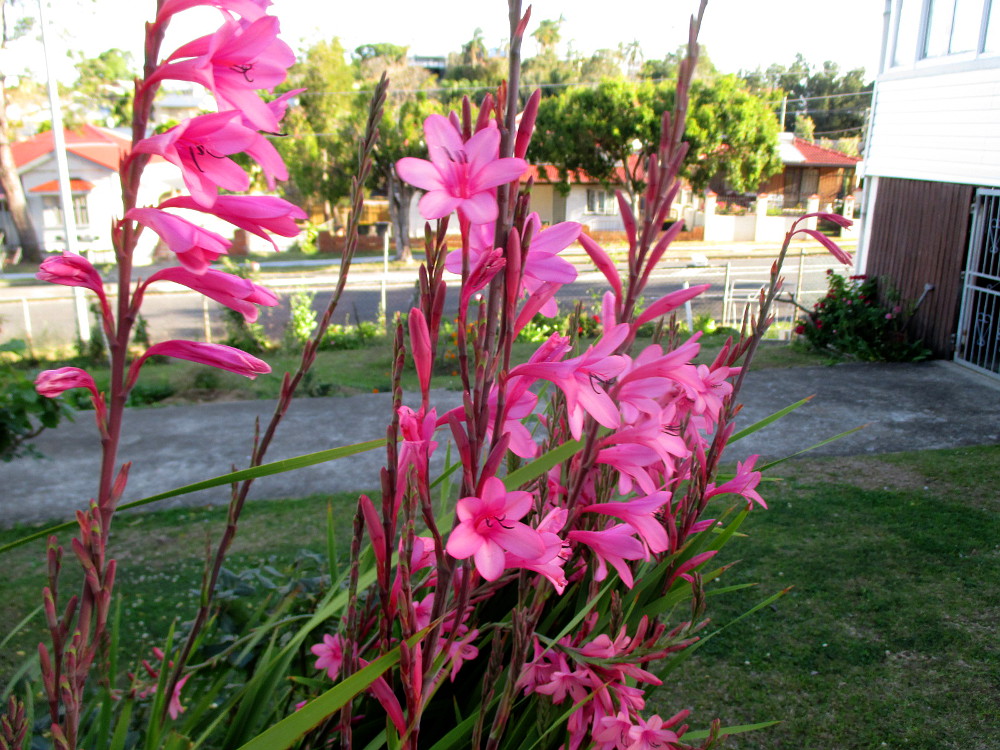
[(62, 166)]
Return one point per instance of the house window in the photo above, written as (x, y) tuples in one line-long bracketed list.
[(953, 27), (601, 202), (933, 29), (52, 211)]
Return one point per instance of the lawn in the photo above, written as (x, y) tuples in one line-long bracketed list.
[(888, 638)]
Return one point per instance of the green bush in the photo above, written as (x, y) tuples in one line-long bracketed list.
[(23, 412), (301, 320), (851, 321)]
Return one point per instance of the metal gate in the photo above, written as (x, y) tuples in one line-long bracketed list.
[(978, 343)]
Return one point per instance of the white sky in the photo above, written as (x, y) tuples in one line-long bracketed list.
[(738, 33)]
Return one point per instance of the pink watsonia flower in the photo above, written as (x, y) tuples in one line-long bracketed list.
[(195, 247), (611, 732), (235, 62), (550, 563), (241, 295), (174, 708), (744, 483), (460, 649), (542, 263), (53, 383), (70, 269), (460, 175), (223, 357), (670, 302), (262, 151), (613, 545), (257, 214), (331, 655), (420, 347), (250, 10), (491, 525), (651, 735), (585, 380), (640, 514), (200, 148)]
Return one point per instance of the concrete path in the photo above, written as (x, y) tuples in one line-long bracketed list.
[(906, 407)]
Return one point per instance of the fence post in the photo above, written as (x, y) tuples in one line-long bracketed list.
[(725, 294), (687, 309), (27, 325), (812, 206), (711, 199), (207, 320), (760, 219)]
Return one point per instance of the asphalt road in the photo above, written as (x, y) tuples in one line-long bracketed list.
[(183, 314)]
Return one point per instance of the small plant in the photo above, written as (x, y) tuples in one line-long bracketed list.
[(24, 413), (302, 319), (241, 333), (851, 321)]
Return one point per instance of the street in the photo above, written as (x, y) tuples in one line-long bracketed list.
[(179, 313)]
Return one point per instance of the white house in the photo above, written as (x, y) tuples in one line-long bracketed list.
[(93, 155), (932, 171)]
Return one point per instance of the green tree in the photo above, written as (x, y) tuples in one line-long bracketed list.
[(14, 26), (104, 83), (836, 101), (319, 158), (732, 133)]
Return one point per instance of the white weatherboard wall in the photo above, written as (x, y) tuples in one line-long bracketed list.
[(932, 124)]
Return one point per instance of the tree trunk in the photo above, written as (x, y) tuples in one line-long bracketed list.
[(11, 183), (399, 214)]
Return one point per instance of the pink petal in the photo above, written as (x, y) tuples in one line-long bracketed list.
[(522, 541), (419, 173), (481, 208), (463, 541), (499, 172), (490, 560), (437, 204)]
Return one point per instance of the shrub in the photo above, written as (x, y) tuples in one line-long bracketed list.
[(851, 321), (23, 412)]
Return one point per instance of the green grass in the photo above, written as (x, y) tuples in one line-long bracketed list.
[(350, 372), (888, 638), (890, 635)]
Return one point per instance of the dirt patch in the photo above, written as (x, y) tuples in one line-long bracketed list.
[(864, 472)]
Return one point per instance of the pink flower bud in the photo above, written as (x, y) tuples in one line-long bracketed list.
[(53, 383)]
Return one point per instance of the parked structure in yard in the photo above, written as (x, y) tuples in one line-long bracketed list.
[(932, 172)]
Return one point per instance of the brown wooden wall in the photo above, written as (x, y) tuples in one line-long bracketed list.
[(919, 235)]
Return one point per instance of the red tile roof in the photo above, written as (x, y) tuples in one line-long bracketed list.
[(549, 173), (52, 186), (96, 145), (818, 156)]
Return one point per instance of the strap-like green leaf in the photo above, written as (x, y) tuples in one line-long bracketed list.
[(740, 729), (275, 467), (768, 420), (540, 465), (804, 450), (286, 732)]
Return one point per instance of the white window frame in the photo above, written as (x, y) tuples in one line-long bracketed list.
[(601, 202), (921, 57)]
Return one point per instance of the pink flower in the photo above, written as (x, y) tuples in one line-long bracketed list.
[(542, 263), (53, 383), (238, 294), (491, 525), (223, 357), (459, 176), (174, 708), (420, 347), (251, 10), (195, 247), (825, 241), (670, 302), (70, 269), (257, 214), (549, 563), (585, 380), (651, 735), (331, 655), (199, 147), (744, 483), (640, 514), (614, 545), (233, 63)]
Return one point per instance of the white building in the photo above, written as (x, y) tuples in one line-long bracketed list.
[(932, 170)]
